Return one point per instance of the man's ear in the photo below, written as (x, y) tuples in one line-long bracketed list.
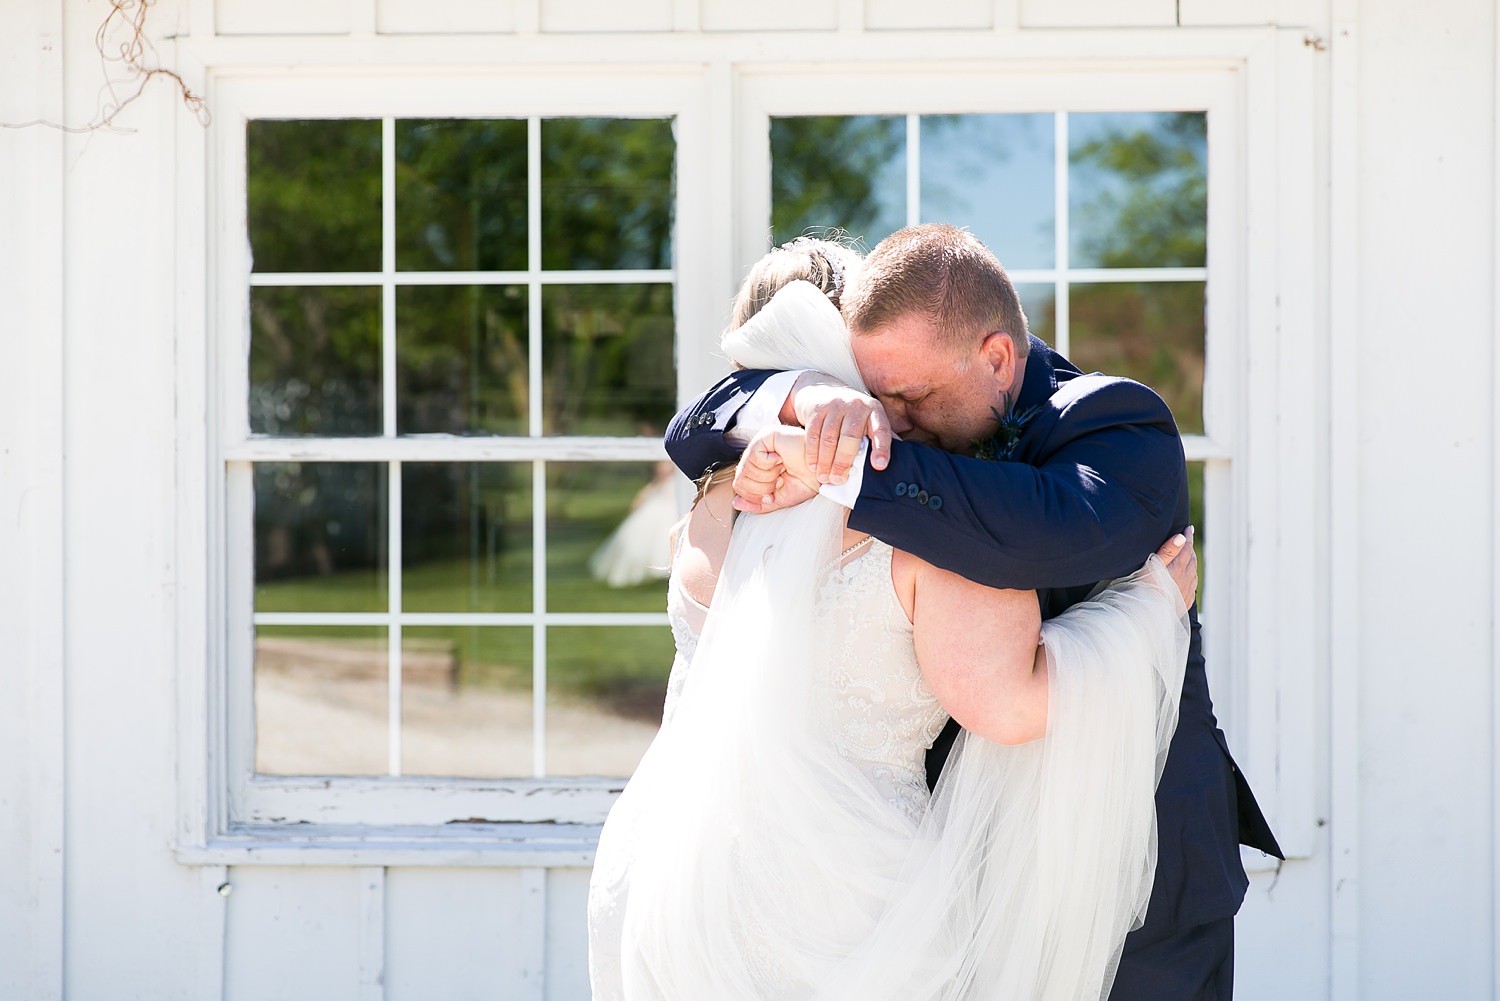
[(999, 352)]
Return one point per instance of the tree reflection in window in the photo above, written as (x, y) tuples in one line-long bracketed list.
[(475, 295), (607, 193), (461, 195), (313, 195), (1138, 186), (844, 172)]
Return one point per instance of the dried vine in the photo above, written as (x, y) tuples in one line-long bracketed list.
[(122, 41)]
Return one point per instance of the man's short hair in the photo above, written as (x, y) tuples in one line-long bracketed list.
[(944, 275)]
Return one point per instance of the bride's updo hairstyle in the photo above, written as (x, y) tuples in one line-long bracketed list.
[(825, 263)]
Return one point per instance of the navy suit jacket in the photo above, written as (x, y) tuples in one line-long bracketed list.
[(1096, 484)]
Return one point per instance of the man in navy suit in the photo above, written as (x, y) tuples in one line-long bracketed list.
[(1079, 482)]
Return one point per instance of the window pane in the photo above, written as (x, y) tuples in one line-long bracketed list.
[(993, 174), (320, 536), (607, 193), (1150, 332), (320, 700), (315, 361), (1196, 518), (605, 686), (607, 525), (608, 359), (461, 195), (838, 172), (466, 701), (461, 359), (313, 192), (1039, 303), (1138, 190), (466, 536)]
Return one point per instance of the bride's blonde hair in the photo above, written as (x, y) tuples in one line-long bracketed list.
[(826, 263)]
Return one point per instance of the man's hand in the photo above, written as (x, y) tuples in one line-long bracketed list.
[(1182, 563), (837, 418), (773, 473)]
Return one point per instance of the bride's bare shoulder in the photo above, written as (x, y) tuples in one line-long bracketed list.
[(704, 543)]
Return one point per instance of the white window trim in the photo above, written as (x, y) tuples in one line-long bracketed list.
[(238, 805), (1263, 238)]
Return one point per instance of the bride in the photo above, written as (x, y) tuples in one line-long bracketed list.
[(778, 840)]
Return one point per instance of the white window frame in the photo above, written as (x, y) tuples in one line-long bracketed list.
[(1264, 635), (260, 803)]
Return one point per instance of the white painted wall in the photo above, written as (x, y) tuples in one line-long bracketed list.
[(31, 488), (1399, 895), (1426, 454)]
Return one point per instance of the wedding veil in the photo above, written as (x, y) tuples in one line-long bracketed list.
[(764, 865)]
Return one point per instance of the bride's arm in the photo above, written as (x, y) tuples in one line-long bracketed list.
[(978, 646)]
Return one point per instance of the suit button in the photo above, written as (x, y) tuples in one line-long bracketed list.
[(901, 490), (921, 496), (935, 502)]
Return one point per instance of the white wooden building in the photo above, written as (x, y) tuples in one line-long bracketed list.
[(265, 588)]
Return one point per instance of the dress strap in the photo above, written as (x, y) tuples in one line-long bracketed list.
[(850, 551)]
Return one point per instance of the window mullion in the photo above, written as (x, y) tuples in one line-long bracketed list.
[(393, 473), (538, 466), (539, 627), (446, 448), (534, 269), (913, 170), (1060, 233), (393, 579), (388, 275)]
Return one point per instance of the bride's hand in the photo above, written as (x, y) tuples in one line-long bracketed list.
[(1182, 563), (773, 473)]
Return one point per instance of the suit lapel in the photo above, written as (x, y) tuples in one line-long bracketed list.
[(1045, 371)]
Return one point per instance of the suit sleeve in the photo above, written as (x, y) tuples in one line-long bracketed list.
[(695, 438), (1109, 492)]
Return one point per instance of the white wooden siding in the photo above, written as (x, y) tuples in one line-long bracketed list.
[(1384, 504), (405, 934), (31, 518)]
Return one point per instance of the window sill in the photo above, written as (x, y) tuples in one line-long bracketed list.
[(523, 846), (495, 846)]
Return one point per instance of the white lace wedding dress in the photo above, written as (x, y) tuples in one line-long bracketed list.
[(778, 840)]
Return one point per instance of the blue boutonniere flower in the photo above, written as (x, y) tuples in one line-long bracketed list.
[(1001, 446)]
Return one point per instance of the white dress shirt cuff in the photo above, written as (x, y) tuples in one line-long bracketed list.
[(847, 493), (763, 409)]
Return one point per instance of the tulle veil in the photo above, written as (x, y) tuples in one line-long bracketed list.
[(762, 865)]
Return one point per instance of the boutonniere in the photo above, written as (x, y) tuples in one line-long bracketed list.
[(1009, 426)]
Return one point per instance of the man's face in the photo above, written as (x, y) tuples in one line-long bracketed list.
[(933, 395)]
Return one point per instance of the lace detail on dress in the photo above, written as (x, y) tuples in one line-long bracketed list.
[(684, 639), (686, 618), (880, 712)]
